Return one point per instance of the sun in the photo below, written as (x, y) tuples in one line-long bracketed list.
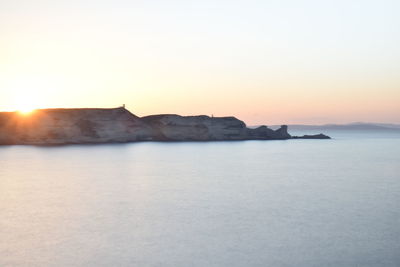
[(25, 107), (28, 94), (26, 110)]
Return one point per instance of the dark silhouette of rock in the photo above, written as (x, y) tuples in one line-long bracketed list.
[(265, 133), (314, 136)]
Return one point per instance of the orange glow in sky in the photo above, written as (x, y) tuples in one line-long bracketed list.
[(265, 62)]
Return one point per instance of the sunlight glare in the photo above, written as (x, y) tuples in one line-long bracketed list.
[(26, 105), (26, 111)]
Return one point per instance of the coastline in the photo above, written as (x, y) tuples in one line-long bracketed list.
[(119, 125)]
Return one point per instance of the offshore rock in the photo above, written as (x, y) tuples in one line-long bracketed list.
[(314, 136)]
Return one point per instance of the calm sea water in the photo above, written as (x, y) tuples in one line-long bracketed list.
[(252, 203)]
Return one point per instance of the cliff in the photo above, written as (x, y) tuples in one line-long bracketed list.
[(201, 128), (69, 126), (63, 126)]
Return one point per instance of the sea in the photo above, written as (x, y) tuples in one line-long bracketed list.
[(231, 203)]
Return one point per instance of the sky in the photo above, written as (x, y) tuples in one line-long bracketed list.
[(265, 62)]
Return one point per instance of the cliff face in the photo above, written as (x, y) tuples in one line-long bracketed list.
[(64, 126), (175, 127), (200, 128)]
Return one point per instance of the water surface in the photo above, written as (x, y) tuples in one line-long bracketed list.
[(251, 203)]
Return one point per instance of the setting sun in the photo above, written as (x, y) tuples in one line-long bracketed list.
[(26, 101), (26, 110), (24, 106)]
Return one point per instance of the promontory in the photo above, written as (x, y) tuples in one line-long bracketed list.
[(100, 125)]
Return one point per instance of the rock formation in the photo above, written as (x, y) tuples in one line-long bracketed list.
[(75, 126), (63, 126), (314, 136), (202, 128)]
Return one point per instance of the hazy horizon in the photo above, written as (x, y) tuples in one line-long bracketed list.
[(264, 62)]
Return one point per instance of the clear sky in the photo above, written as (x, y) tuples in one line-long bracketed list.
[(266, 62)]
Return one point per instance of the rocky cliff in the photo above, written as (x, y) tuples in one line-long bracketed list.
[(68, 126), (200, 128), (63, 126)]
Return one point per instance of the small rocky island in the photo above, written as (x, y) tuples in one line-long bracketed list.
[(98, 125)]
